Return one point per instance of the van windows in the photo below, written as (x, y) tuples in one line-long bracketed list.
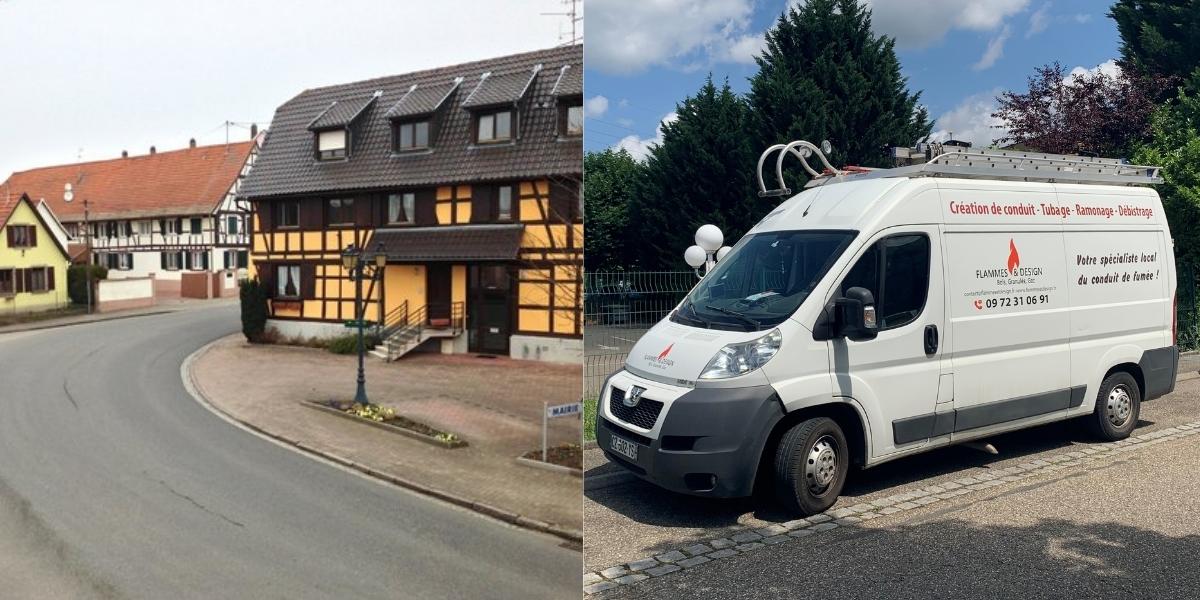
[(763, 280), (896, 271)]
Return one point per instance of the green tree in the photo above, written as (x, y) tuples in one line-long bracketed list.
[(1175, 146), (1158, 38), (254, 309), (702, 172), (77, 281), (825, 76), (609, 178)]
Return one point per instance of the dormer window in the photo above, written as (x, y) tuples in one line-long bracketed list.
[(413, 135), (331, 145), (570, 118), (495, 127)]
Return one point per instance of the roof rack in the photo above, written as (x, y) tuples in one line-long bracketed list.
[(943, 160)]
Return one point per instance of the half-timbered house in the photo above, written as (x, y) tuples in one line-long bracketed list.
[(466, 177), (160, 215)]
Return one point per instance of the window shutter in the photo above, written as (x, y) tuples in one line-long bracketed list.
[(9, 234), (162, 226), (266, 275), (18, 280), (50, 278), (162, 256), (204, 261), (179, 258), (426, 207), (32, 236), (308, 281), (179, 225), (264, 211), (243, 259), (225, 259), (130, 263), (28, 279), (483, 199), (187, 260), (362, 210), (311, 213)]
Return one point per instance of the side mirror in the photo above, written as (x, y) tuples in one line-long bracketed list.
[(855, 316)]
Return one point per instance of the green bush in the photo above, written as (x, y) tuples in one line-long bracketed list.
[(348, 344), (254, 310), (77, 281)]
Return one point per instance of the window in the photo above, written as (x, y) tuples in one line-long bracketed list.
[(170, 226), (170, 261), (340, 211), (232, 225), (504, 203), (235, 259), (8, 282), (289, 213), (412, 136), (22, 236), (196, 225), (495, 127), (572, 124), (331, 145), (124, 261), (38, 282), (287, 281), (402, 208), (145, 227), (896, 271), (197, 260)]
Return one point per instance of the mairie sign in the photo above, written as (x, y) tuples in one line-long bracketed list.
[(563, 410)]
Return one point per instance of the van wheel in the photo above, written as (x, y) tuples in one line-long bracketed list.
[(1117, 408), (811, 462)]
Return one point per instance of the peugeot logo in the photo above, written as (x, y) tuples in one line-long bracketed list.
[(632, 396)]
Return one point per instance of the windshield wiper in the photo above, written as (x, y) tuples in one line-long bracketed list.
[(734, 313), (696, 317)]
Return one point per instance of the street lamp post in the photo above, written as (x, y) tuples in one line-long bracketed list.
[(707, 251), (68, 196), (357, 270)]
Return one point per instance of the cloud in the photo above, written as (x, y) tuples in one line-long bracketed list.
[(1039, 21), (971, 120), (1108, 67), (595, 106), (925, 22), (993, 52), (638, 146), (629, 36)]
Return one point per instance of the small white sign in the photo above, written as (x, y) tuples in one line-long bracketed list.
[(564, 410)]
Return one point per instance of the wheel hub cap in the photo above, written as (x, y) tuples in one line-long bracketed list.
[(1120, 406), (821, 465)]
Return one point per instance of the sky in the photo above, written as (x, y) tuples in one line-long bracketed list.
[(643, 56), (88, 79)]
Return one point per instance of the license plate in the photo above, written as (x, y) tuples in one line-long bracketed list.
[(625, 448)]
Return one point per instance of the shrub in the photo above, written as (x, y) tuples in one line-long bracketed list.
[(77, 281), (254, 310), (348, 344)]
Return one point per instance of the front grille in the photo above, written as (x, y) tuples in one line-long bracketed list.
[(644, 415)]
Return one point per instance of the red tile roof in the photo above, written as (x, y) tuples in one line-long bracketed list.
[(177, 182)]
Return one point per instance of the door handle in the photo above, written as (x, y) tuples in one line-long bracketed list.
[(931, 340)]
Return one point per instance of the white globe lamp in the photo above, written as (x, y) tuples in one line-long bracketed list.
[(709, 238), (722, 252), (695, 256)]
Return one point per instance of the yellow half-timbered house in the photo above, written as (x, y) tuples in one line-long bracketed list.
[(467, 178)]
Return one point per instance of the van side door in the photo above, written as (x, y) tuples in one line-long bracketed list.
[(895, 376)]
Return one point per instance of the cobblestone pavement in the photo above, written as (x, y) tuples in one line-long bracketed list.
[(637, 533), (495, 404)]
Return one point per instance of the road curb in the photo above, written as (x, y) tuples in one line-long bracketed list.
[(487, 510), (117, 317)]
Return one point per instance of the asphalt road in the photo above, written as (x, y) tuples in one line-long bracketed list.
[(115, 483)]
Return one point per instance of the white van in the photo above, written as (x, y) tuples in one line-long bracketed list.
[(883, 313)]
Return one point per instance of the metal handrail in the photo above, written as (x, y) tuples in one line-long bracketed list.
[(784, 150)]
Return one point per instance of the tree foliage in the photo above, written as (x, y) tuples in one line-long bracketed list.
[(1158, 39), (1081, 113), (825, 76), (77, 281), (609, 180), (702, 172), (254, 309), (1175, 146)]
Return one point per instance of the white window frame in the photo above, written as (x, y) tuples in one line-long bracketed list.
[(173, 257), (281, 279), (504, 203), (333, 144), (144, 228), (408, 203)]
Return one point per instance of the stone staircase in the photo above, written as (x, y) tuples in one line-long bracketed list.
[(404, 330)]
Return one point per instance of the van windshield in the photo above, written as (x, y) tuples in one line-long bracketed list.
[(763, 280)]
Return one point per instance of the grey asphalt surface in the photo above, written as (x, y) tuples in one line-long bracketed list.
[(115, 483)]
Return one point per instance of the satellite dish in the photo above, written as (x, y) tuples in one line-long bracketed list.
[(709, 238), (68, 195), (694, 256)]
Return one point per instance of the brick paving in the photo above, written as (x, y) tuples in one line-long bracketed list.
[(493, 403)]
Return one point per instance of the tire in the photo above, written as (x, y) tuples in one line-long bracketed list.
[(1118, 404), (811, 463)]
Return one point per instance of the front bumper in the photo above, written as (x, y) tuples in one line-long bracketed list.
[(709, 440)]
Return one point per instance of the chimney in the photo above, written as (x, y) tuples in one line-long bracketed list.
[(253, 130), (192, 143), (153, 150), (124, 154)]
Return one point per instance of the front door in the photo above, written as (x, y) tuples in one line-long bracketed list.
[(895, 377), (437, 294), (490, 309)]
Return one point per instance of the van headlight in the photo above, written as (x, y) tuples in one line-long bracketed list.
[(739, 359)]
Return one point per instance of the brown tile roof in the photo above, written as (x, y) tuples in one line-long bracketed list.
[(465, 242), (286, 164), (423, 99), (177, 182)]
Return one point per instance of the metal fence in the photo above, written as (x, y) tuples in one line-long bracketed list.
[(618, 307)]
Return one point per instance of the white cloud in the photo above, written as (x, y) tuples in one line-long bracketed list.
[(1108, 67), (993, 52), (625, 122), (971, 120), (1039, 21), (629, 36), (922, 23), (1081, 18), (638, 146), (595, 106)]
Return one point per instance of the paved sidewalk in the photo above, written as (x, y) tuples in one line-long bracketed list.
[(494, 404), (163, 306)]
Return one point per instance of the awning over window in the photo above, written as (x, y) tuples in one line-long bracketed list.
[(422, 100), (453, 243), (341, 113)]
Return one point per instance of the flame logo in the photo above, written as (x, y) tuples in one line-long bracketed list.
[(666, 352), (1014, 259)]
